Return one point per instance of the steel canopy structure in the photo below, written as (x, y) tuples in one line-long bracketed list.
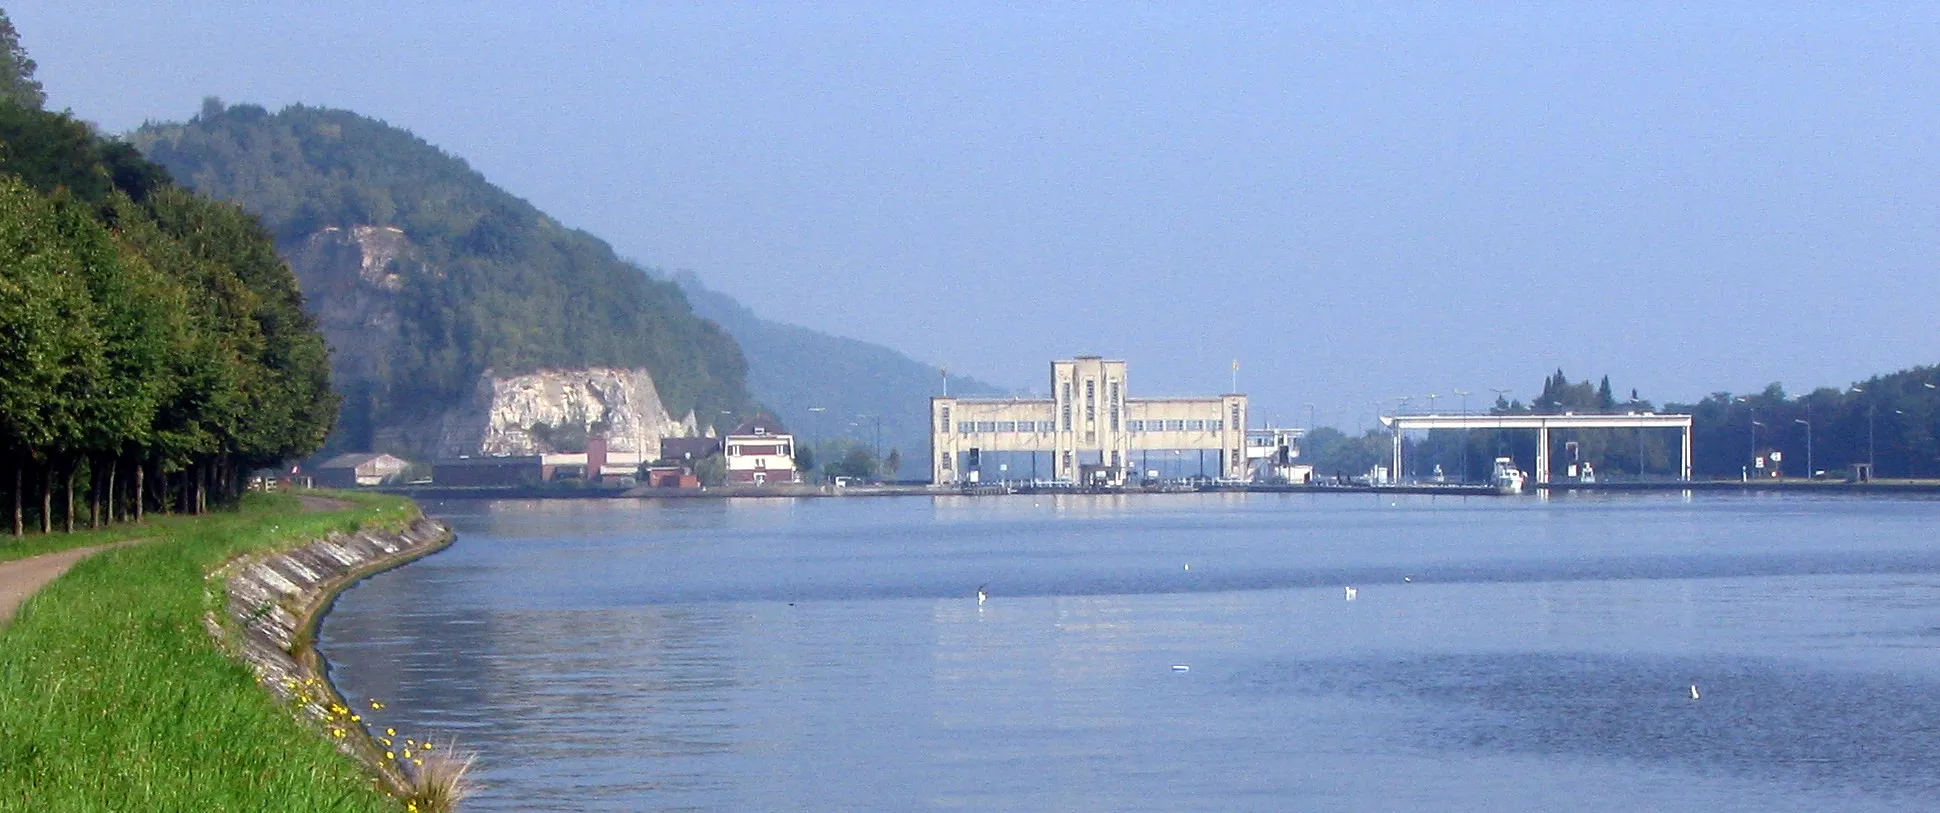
[(1543, 424)]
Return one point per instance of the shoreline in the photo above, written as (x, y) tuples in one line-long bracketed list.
[(275, 602), (1875, 488)]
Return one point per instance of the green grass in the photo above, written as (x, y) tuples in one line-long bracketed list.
[(113, 697)]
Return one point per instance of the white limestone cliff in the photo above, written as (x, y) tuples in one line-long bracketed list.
[(501, 415)]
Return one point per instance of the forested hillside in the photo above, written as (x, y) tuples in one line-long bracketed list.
[(477, 280), (153, 347), (792, 369)]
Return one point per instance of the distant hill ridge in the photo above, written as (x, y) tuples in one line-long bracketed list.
[(425, 276), (793, 369)]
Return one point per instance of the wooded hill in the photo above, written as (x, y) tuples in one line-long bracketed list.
[(792, 369), (488, 282), (153, 347)]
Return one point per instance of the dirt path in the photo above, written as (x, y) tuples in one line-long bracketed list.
[(24, 577), (320, 504)]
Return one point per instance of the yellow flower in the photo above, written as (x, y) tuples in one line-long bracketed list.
[(427, 746), (407, 753), (418, 762), (390, 732), (389, 755)]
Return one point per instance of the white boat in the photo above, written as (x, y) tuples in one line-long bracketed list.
[(1507, 478)]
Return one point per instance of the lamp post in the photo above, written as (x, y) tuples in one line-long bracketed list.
[(1871, 410), (1464, 396), (1809, 471)]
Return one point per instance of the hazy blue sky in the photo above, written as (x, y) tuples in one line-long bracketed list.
[(1357, 202)]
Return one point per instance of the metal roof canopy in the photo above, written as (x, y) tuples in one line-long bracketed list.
[(1543, 424)]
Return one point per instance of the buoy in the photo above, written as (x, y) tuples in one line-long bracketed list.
[(1408, 579), (1694, 691), (981, 595), (1188, 566), (1180, 667), (1352, 593)]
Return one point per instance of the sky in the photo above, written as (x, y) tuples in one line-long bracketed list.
[(1357, 203)]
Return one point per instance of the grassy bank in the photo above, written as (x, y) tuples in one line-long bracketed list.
[(114, 697)]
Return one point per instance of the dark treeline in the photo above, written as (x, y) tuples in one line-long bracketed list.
[(1892, 421), (153, 347)]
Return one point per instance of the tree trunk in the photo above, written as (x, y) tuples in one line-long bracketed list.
[(114, 466), (94, 493), (141, 474), (67, 519), (47, 498), (19, 482)]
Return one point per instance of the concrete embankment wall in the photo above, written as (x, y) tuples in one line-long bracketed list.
[(275, 601)]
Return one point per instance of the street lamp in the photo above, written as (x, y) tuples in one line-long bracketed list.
[(1464, 396), (1809, 471), (1755, 423), (1871, 410)]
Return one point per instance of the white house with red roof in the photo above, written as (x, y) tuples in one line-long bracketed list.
[(761, 452)]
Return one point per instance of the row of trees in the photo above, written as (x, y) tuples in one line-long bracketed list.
[(153, 347)]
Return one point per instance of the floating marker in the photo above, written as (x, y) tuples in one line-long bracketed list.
[(1188, 565), (1180, 667), (1694, 691), (1352, 593)]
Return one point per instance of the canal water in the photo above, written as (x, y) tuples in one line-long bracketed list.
[(1170, 652)]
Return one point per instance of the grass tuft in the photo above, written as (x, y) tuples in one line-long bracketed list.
[(438, 779)]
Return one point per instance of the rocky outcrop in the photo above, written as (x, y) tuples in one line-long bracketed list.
[(350, 278), (555, 410)]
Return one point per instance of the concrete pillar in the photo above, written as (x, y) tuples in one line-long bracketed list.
[(1542, 453), (1684, 458), (1394, 471)]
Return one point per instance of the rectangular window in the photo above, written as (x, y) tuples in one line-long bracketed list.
[(946, 461), (1216, 426), (964, 427), (986, 426), (1237, 423), (1067, 416), (1114, 406), (1067, 460), (946, 420), (1195, 426), (1006, 426), (1114, 457), (1175, 426), (1135, 426), (1091, 400)]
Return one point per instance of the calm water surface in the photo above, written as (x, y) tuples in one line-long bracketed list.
[(1502, 654)]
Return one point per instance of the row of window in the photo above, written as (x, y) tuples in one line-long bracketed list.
[(974, 427)]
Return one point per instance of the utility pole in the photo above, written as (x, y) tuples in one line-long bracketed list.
[(1464, 396)]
